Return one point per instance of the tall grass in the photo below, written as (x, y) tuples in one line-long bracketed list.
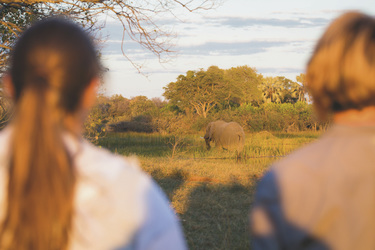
[(141, 144), (262, 144), (211, 191)]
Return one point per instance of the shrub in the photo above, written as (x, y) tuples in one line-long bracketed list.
[(130, 126)]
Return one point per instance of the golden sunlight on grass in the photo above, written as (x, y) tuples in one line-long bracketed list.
[(211, 191)]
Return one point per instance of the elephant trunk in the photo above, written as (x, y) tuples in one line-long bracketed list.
[(208, 143)]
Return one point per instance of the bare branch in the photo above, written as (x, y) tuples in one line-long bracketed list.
[(138, 18)]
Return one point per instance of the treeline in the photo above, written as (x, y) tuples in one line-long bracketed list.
[(198, 97), (206, 91), (237, 94)]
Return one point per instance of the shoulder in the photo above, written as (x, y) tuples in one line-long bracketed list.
[(123, 203), (300, 180), (101, 168), (304, 162), (111, 198), (296, 176), (91, 160), (161, 230), (330, 152), (99, 165), (301, 173), (287, 195)]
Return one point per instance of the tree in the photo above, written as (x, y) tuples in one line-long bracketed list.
[(119, 106), (138, 19), (198, 90), (202, 91), (280, 89), (244, 82), (14, 17), (159, 103), (272, 90), (141, 105)]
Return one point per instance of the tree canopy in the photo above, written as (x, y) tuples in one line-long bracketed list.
[(198, 90), (280, 89), (203, 90), (244, 82)]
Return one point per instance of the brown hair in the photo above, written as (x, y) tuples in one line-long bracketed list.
[(341, 72), (51, 65)]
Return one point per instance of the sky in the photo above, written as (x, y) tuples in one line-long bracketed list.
[(276, 37)]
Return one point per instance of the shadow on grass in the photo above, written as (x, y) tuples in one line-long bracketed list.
[(216, 214), (169, 183), (217, 217)]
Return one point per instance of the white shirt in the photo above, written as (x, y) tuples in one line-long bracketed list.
[(117, 206)]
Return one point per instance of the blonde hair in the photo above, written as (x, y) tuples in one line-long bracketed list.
[(51, 65), (341, 72)]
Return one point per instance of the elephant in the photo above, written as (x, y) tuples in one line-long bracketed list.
[(229, 136)]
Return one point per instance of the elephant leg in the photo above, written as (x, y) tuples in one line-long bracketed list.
[(208, 144)]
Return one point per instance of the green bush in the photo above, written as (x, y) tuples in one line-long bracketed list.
[(143, 115)]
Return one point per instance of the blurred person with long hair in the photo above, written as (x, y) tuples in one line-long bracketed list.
[(323, 195), (58, 191)]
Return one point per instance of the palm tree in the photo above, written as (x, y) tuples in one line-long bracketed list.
[(297, 92), (272, 90)]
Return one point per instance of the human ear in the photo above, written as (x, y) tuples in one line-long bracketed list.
[(89, 94)]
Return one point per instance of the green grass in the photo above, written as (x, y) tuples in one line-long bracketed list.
[(211, 191), (262, 144)]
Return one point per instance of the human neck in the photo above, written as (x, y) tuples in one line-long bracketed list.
[(354, 117)]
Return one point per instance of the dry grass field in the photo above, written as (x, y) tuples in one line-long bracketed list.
[(211, 191)]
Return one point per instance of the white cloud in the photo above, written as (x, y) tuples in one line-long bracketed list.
[(276, 37)]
